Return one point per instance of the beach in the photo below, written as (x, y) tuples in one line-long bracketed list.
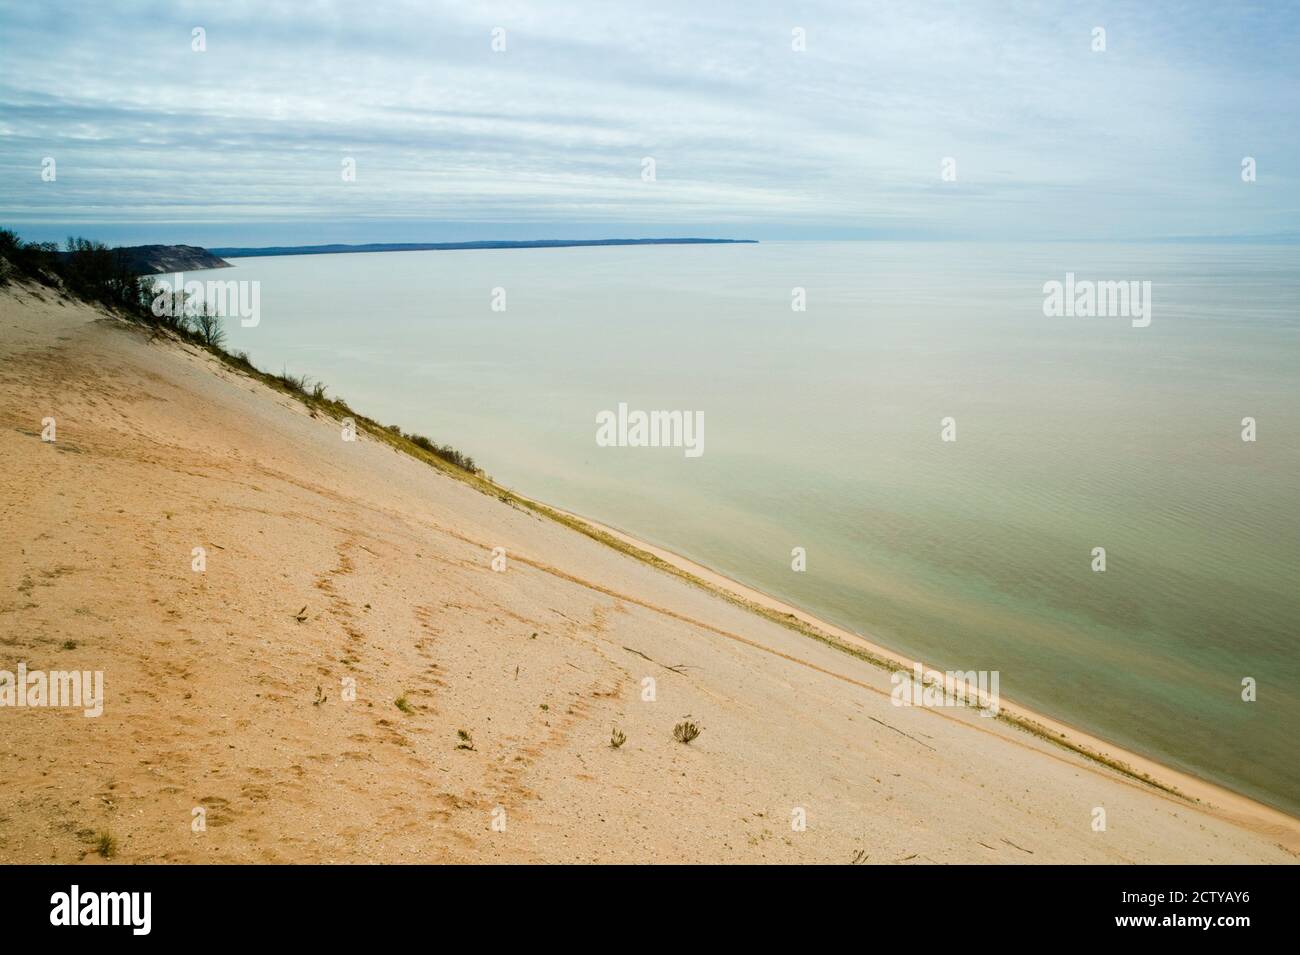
[(349, 679)]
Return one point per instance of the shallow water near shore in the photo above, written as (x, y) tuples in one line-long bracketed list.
[(822, 431)]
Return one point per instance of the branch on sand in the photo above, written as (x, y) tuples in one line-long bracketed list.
[(679, 668), (908, 735)]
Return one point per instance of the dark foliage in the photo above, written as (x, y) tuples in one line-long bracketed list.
[(95, 273)]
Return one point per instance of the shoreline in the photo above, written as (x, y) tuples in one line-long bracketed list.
[(390, 567), (1165, 781), (1176, 785)]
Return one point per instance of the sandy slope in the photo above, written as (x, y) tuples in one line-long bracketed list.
[(211, 680)]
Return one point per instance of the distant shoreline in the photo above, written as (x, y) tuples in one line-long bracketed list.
[(249, 252)]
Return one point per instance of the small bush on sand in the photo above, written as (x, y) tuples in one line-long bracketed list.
[(207, 326), (685, 731), (617, 738), (295, 384)]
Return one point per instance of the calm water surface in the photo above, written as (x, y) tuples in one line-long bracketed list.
[(822, 430)]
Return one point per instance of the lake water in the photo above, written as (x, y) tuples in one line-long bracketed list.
[(823, 431)]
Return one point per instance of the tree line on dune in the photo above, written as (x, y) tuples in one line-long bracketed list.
[(95, 273)]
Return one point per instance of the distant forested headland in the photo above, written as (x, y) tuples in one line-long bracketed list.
[(234, 253)]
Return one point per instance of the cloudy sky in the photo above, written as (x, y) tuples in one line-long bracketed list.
[(244, 142)]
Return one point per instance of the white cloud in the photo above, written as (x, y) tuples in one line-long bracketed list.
[(1049, 138)]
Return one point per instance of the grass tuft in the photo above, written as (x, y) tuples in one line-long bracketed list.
[(686, 731), (106, 844)]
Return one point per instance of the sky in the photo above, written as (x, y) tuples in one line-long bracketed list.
[(244, 142)]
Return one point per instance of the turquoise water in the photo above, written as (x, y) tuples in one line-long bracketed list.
[(822, 430)]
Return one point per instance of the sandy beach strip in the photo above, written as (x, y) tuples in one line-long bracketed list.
[(1241, 809)]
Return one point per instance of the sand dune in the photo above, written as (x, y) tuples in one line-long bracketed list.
[(219, 698)]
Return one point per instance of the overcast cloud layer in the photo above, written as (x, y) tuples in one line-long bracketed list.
[(244, 142)]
